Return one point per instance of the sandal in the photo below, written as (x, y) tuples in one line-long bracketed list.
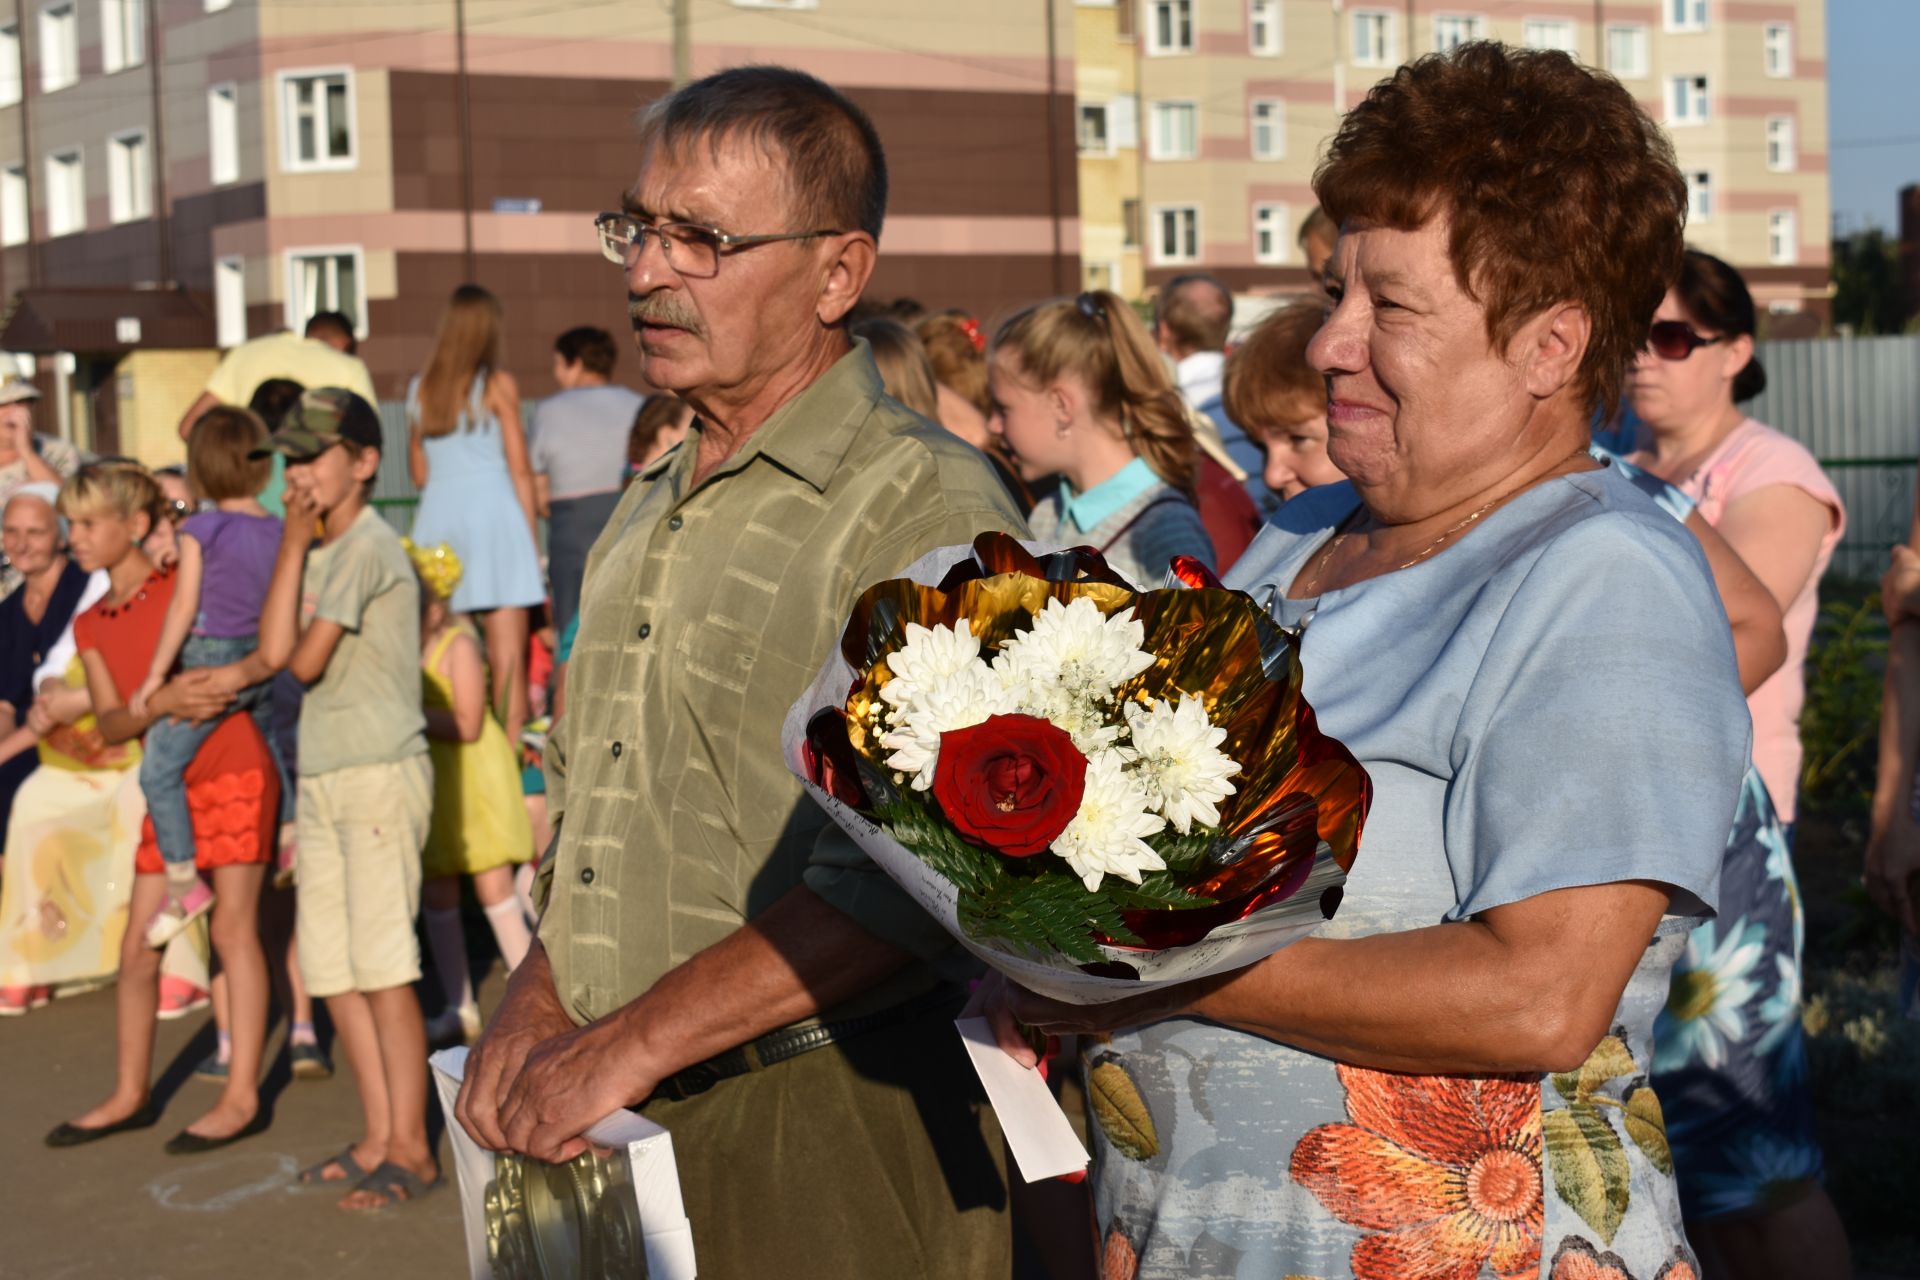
[(350, 1168), (391, 1179)]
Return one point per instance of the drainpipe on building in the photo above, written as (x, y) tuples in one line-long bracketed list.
[(682, 43), (27, 159), (1053, 152), (162, 215), (466, 139), (1339, 66)]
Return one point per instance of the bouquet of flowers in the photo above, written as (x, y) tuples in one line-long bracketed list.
[(1093, 788)]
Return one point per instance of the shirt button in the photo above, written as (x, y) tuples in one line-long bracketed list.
[(616, 751), (646, 629), (586, 875), (674, 523)]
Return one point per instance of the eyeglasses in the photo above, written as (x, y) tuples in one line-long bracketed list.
[(1676, 339), (176, 509), (691, 249)]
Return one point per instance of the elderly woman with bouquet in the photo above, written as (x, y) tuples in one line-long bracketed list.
[(1529, 660)]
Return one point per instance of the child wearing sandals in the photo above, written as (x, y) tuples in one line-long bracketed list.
[(366, 787), (480, 827)]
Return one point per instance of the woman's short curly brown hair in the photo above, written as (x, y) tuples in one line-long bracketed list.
[(1555, 185)]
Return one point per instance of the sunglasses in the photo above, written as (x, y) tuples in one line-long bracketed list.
[(1676, 339)]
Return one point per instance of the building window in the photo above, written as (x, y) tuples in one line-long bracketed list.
[(14, 226), (325, 280), (223, 132), (1687, 100), (1129, 224), (1686, 15), (1176, 234), (1272, 233), (1779, 49), (316, 120), (1173, 131), (1783, 237), (1169, 26), (1269, 129), (1627, 51), (1123, 123), (1373, 38), (66, 193), (230, 302), (1780, 149), (1550, 33), (59, 46), (215, 6), (1451, 30), (1092, 130), (10, 78), (129, 177), (123, 34), (1699, 196), (1263, 28)]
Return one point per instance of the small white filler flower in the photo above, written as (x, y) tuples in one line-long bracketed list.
[(1177, 758), (1106, 837), (959, 700), (930, 655), (1066, 667)]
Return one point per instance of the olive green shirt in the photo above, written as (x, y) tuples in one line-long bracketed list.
[(705, 613)]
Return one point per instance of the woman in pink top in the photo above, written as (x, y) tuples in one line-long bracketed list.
[(1760, 489)]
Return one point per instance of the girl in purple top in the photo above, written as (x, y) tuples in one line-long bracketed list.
[(226, 561)]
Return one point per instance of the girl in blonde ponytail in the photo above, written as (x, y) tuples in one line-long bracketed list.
[(1079, 392)]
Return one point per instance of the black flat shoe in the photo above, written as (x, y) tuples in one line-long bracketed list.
[(73, 1135), (184, 1143)]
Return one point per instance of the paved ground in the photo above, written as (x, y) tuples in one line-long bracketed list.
[(122, 1208)]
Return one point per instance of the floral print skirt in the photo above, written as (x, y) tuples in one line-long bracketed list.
[(1730, 1059)]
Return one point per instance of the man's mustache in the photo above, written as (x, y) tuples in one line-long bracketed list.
[(661, 309)]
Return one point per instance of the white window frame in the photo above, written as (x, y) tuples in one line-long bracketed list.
[(290, 160), (1280, 219), (1783, 250), (62, 221), (1080, 111), (1643, 45), (223, 133), (129, 194), (1123, 122), (1175, 9), (1533, 34), (123, 34), (1389, 24), (230, 302), (1777, 39), (1783, 152), (1451, 30), (1154, 247), (216, 6), (59, 45), (1154, 150), (13, 81), (1276, 148), (16, 215), (1699, 180), (291, 260), (1265, 13), (1683, 16), (1681, 100)]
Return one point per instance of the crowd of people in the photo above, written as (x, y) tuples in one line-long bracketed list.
[(1495, 475)]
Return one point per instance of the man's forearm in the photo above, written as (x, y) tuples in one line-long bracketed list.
[(799, 957), (1899, 726)]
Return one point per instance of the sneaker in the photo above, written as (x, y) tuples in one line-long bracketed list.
[(453, 1026), (16, 1001), (212, 1069), (176, 916), (180, 998), (310, 1061)]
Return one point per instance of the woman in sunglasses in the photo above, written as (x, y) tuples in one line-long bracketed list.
[(1730, 1064)]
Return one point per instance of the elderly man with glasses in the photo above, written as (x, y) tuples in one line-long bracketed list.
[(712, 951)]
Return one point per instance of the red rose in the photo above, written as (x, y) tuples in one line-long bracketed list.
[(1011, 784)]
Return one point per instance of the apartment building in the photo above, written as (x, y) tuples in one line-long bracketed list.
[(179, 175), (1236, 98)]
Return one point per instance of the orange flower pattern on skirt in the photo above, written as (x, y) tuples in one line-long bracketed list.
[(233, 814), (1446, 1169), (1578, 1259)]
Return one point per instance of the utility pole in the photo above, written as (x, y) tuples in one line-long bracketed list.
[(682, 42), (162, 214), (466, 139)]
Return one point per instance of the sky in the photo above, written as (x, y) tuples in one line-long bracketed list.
[(1873, 97)]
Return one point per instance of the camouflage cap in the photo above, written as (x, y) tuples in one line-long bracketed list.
[(322, 418)]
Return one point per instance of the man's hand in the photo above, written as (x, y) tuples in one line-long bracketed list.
[(530, 1015), (1900, 584), (1893, 862), (570, 1083), (302, 516), (192, 695)]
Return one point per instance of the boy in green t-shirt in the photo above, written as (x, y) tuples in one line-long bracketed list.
[(345, 620)]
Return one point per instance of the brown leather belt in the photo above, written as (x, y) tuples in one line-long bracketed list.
[(791, 1042)]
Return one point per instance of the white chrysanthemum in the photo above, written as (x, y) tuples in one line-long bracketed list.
[(1067, 665), (930, 655), (1177, 758), (1105, 837), (959, 700)]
